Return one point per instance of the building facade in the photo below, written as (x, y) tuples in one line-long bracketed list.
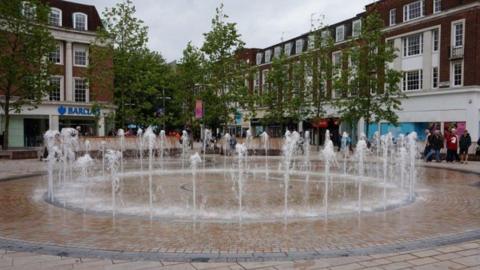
[(75, 101), (438, 53)]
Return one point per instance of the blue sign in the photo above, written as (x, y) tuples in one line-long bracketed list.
[(238, 118), (62, 110)]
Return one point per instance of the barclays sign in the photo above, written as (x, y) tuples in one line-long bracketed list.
[(78, 111)]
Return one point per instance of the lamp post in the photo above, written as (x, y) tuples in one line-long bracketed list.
[(164, 108)]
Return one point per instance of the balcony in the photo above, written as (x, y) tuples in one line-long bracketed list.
[(456, 53)]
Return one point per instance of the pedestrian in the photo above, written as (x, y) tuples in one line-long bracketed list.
[(428, 147), (477, 151), (233, 144), (436, 143), (452, 145), (465, 143)]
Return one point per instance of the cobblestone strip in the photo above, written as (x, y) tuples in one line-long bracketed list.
[(70, 251)]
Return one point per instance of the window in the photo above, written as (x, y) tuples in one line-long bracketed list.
[(436, 43), (457, 74), (28, 10), (55, 17), (81, 89), (55, 57), (413, 80), (256, 83), (435, 77), (337, 63), (259, 58), (340, 34), (393, 16), (299, 46), (437, 6), (311, 41), (357, 28), (288, 49), (55, 83), (80, 21), (413, 10), (264, 81), (80, 56), (325, 37), (413, 45), (458, 34), (268, 56), (277, 52)]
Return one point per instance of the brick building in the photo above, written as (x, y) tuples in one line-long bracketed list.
[(73, 101), (438, 44)]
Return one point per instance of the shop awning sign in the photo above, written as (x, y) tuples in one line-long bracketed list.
[(77, 111)]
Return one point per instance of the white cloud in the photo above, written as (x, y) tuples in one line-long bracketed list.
[(173, 23)]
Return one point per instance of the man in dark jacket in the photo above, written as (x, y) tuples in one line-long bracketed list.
[(436, 144), (465, 143)]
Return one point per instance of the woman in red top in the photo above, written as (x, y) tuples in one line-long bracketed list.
[(452, 145)]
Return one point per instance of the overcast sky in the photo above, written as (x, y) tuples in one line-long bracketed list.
[(173, 23)]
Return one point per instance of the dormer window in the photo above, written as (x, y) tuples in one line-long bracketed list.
[(340, 33), (311, 41), (80, 21), (259, 58), (268, 56), (299, 46), (357, 28), (288, 49), (413, 10), (55, 17), (28, 10), (277, 51), (326, 36), (437, 6)]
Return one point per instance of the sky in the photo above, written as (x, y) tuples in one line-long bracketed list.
[(173, 23)]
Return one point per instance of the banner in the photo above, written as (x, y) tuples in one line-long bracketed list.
[(198, 109)]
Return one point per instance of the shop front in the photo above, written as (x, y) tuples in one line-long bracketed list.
[(26, 129)]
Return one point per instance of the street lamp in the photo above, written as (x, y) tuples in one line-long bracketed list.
[(164, 108)]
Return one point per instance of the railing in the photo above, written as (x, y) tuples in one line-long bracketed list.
[(456, 53)]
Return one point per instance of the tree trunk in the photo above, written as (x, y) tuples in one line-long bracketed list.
[(318, 138), (367, 122), (7, 121)]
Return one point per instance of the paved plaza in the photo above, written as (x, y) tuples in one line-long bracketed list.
[(440, 230)]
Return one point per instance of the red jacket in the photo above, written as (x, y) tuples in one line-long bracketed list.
[(452, 142)]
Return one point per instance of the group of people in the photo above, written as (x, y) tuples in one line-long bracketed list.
[(457, 147)]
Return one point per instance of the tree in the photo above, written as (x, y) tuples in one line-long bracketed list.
[(275, 100), (320, 68), (225, 74), (127, 35), (24, 48), (370, 87), (189, 76)]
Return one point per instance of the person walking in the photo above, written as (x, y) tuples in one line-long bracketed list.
[(452, 145), (436, 145), (465, 143), (428, 146)]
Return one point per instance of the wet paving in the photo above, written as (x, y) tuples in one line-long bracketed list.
[(447, 204)]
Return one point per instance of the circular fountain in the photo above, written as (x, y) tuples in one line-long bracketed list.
[(247, 188)]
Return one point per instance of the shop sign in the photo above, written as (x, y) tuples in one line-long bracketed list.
[(320, 123), (82, 111)]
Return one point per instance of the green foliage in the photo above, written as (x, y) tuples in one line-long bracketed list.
[(186, 83), (140, 75), (370, 87), (24, 47), (224, 89)]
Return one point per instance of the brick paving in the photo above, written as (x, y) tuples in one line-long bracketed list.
[(449, 205), (460, 256)]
